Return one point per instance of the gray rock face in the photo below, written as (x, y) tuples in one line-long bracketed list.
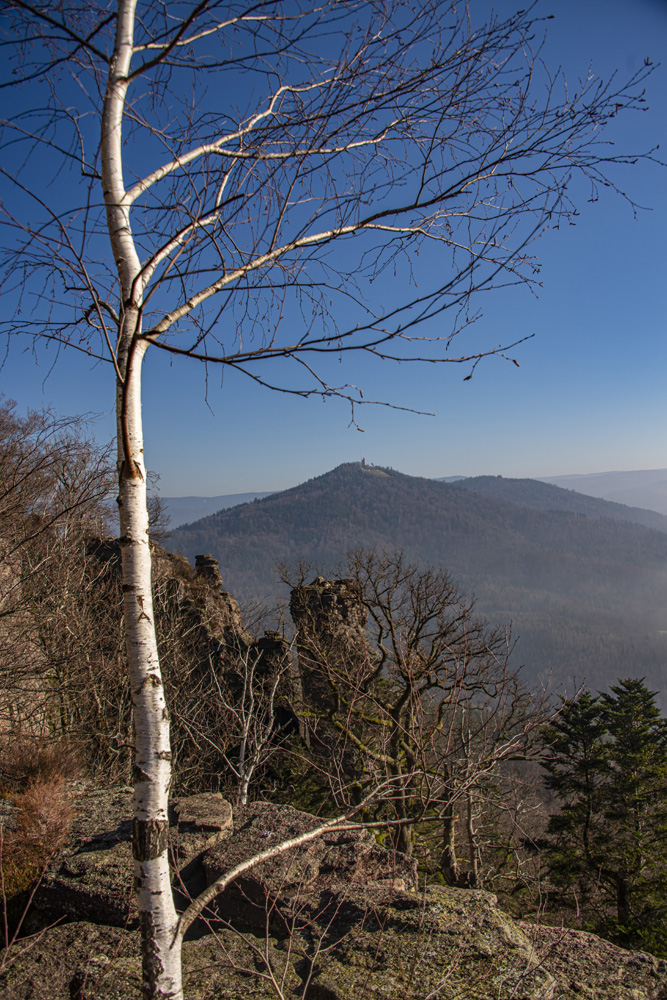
[(587, 967), (437, 946), (299, 881), (454, 945), (94, 879), (444, 943), (83, 961), (336, 919), (206, 811)]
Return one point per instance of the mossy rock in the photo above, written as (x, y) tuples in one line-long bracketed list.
[(93, 878), (445, 943), (103, 963)]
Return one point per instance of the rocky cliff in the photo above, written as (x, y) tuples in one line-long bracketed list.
[(339, 918)]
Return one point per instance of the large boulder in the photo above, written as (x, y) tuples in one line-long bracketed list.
[(452, 945), (93, 879), (351, 912), (417, 947), (586, 967), (441, 943), (296, 881), (82, 961)]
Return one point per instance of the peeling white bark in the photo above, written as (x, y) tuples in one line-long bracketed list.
[(152, 763), (152, 759)]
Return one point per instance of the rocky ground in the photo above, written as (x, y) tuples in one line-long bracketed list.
[(337, 919)]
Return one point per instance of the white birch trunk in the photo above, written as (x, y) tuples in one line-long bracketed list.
[(161, 956)]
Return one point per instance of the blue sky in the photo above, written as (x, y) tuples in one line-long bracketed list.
[(589, 394)]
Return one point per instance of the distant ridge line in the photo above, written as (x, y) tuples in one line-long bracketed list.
[(643, 489)]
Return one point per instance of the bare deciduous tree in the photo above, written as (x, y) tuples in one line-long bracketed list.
[(226, 182), (253, 714), (406, 683), (54, 489)]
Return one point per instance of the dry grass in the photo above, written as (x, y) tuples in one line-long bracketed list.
[(43, 819)]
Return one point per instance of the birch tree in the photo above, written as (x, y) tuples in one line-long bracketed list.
[(226, 180)]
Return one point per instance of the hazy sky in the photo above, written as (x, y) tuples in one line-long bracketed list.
[(589, 394)]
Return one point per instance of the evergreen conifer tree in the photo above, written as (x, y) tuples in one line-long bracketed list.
[(607, 765)]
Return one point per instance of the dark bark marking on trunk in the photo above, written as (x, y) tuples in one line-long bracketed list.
[(151, 680), (150, 838)]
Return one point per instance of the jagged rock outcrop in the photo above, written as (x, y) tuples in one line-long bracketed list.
[(328, 606), (337, 919), (198, 598), (223, 614), (81, 691), (330, 620), (329, 614)]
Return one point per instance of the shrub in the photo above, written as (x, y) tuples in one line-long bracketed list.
[(42, 823), (25, 761)]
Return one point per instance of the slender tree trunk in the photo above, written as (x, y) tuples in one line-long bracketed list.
[(449, 865), (243, 791), (473, 846), (405, 840), (622, 901), (152, 762)]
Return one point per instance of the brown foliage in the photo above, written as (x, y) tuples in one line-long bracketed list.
[(43, 820)]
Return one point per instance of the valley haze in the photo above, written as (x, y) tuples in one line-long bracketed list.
[(579, 581)]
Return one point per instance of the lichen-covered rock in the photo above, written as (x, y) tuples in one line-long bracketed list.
[(294, 882), (82, 961), (359, 923), (103, 815), (444, 943), (93, 879), (587, 967), (94, 885), (51, 967), (206, 812), (339, 918), (448, 944)]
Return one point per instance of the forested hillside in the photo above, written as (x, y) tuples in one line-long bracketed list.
[(585, 594), (639, 487), (543, 496)]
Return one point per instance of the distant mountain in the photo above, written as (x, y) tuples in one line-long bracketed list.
[(646, 489), (586, 593), (182, 510), (538, 495), (642, 488)]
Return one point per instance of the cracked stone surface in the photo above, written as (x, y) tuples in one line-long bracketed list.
[(340, 918)]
